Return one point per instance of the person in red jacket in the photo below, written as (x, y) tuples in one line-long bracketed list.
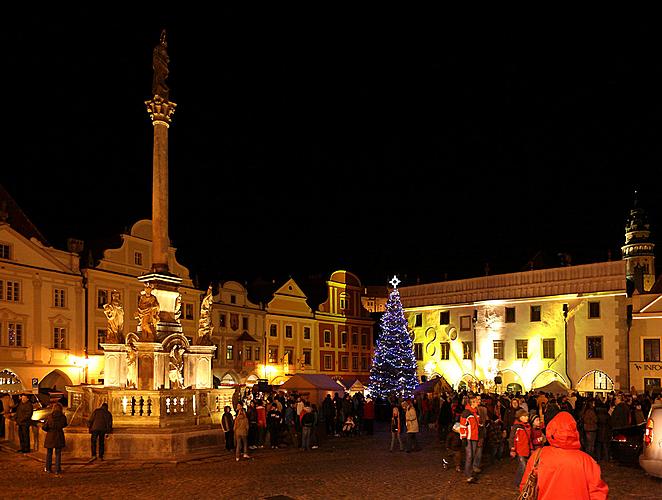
[(368, 416), (520, 442), (564, 471), (469, 424)]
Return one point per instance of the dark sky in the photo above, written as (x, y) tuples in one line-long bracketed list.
[(402, 141)]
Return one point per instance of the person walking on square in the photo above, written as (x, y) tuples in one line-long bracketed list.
[(469, 426), (307, 421), (100, 425), (54, 425), (411, 422), (24, 421), (240, 429), (520, 442), (227, 424)]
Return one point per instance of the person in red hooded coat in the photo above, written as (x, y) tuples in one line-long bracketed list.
[(564, 471)]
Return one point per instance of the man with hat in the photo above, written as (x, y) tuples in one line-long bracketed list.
[(24, 420)]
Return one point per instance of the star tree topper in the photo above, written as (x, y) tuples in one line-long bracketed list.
[(395, 281)]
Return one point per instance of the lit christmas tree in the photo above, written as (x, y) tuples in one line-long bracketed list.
[(393, 371)]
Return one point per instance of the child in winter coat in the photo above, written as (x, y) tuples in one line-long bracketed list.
[(537, 436), (520, 442), (454, 447)]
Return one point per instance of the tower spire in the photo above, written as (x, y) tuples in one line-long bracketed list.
[(638, 251)]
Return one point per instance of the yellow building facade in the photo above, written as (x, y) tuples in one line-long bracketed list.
[(528, 329)]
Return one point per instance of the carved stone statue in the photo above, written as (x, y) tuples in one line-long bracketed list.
[(178, 308), (204, 323), (160, 62), (148, 314), (131, 365), (176, 367), (115, 314)]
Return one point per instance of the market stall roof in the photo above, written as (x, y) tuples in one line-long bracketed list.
[(303, 381), (429, 386), (555, 387), (355, 382)]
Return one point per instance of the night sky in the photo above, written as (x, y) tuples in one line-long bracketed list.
[(306, 141)]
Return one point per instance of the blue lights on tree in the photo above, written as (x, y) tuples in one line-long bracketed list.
[(393, 371)]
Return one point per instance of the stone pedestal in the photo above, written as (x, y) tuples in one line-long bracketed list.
[(115, 365), (197, 367)]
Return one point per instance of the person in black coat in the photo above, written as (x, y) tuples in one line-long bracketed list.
[(24, 421), (100, 424), (54, 427)]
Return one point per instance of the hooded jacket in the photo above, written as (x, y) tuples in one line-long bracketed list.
[(564, 471)]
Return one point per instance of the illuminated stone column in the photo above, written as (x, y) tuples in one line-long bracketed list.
[(160, 111)]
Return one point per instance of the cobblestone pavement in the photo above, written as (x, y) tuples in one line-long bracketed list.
[(347, 467)]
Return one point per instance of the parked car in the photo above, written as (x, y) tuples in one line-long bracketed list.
[(626, 444), (651, 458)]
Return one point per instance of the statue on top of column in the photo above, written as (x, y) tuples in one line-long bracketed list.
[(204, 323), (160, 62), (148, 314), (114, 311)]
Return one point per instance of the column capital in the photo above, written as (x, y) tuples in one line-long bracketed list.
[(160, 110)]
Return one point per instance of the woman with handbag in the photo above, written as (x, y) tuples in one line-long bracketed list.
[(54, 427), (562, 470)]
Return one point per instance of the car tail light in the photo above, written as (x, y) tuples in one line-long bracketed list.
[(620, 438), (648, 435)]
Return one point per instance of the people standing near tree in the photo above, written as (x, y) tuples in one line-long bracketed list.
[(564, 471), (411, 422), (227, 424), (396, 429), (240, 429), (54, 427), (100, 424), (469, 427), (520, 442), (369, 415), (24, 421)]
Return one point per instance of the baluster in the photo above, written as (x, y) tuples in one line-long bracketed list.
[(141, 404), (133, 406), (149, 406)]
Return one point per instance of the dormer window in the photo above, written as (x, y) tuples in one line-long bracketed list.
[(5, 251), (344, 301)]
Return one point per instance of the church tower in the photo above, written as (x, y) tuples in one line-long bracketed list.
[(638, 251)]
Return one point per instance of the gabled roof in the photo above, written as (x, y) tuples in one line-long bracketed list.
[(246, 337), (12, 213), (310, 381)]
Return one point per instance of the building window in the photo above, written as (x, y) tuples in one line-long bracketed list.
[(445, 350), (343, 339), (244, 323), (593, 310), (188, 311), (273, 330), (344, 362), (651, 385), (364, 340), (10, 291), (467, 350), (229, 352), (103, 297), (498, 349), (355, 362), (307, 357), (418, 320), (15, 331), (600, 381), (594, 347), (344, 301), (327, 338), (249, 353), (5, 251), (651, 349), (138, 258), (233, 299), (234, 321), (465, 323), (59, 338), (288, 331), (257, 354), (418, 351), (549, 348), (273, 354), (58, 297), (355, 339), (306, 333), (522, 349), (328, 362), (288, 357), (510, 315), (445, 318), (364, 362), (221, 320), (101, 338), (535, 313)]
